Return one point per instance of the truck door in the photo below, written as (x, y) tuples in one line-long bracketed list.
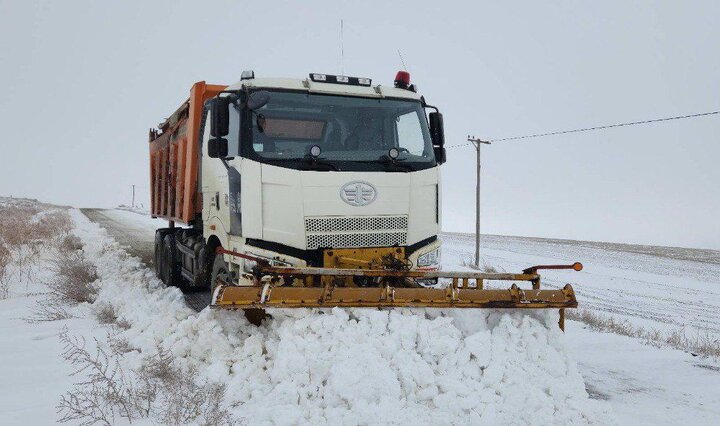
[(214, 184), (221, 180)]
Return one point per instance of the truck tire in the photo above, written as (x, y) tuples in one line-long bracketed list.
[(220, 269), (158, 254), (170, 269)]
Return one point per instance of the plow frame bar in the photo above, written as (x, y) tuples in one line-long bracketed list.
[(268, 291)]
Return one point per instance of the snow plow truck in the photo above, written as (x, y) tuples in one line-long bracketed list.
[(315, 192)]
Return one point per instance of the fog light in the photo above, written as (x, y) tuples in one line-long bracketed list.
[(429, 258)]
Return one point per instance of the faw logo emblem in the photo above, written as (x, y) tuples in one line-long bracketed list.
[(358, 193)]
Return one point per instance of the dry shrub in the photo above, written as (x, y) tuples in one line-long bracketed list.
[(105, 393), (105, 313), (123, 323), (159, 389), (70, 243), (72, 284), (74, 278), (119, 345), (178, 398), (701, 344), (50, 310)]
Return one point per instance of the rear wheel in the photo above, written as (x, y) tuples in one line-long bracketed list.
[(169, 268), (221, 271), (158, 254)]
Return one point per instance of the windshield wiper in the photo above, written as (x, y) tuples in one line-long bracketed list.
[(320, 162), (389, 162), (305, 161)]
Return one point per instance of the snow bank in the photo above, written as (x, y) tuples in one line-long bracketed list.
[(356, 366)]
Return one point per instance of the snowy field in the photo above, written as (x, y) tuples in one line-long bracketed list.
[(357, 366)]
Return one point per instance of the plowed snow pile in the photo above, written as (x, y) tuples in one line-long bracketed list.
[(356, 366)]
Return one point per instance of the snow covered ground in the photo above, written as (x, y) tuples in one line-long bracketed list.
[(357, 366), (657, 287), (653, 288)]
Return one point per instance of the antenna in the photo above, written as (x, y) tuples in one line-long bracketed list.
[(402, 60), (342, 49)]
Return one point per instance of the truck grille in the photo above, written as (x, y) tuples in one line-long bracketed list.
[(362, 231)]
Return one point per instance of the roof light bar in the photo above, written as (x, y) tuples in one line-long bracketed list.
[(341, 79)]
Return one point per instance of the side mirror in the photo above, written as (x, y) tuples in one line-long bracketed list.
[(220, 120), (257, 100), (437, 134), (218, 148)]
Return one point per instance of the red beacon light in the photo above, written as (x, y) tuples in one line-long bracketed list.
[(402, 80)]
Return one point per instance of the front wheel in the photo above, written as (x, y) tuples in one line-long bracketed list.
[(221, 272)]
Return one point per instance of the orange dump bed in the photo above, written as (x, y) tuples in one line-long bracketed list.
[(175, 156)]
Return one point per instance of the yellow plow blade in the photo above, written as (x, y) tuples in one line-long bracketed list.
[(466, 290), (234, 297)]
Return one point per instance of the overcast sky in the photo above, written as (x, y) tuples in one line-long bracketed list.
[(83, 81)]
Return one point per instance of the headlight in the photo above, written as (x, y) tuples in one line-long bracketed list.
[(429, 258)]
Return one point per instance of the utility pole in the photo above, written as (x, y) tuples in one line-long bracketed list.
[(133, 200), (476, 143)]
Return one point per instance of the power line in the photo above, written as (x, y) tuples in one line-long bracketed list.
[(588, 129)]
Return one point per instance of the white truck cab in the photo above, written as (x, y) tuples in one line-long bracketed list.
[(328, 171)]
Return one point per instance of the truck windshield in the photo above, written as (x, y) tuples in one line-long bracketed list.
[(353, 133)]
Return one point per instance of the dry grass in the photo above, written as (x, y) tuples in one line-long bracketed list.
[(489, 269), (5, 259), (27, 227), (158, 390), (700, 344), (468, 260)]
